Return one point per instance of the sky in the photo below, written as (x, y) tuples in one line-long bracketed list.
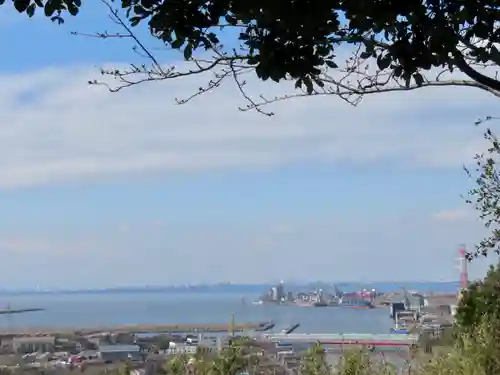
[(110, 189)]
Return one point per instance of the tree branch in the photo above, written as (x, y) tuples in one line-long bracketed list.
[(350, 82)]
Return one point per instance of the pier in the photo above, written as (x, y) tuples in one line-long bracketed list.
[(133, 328), (374, 340)]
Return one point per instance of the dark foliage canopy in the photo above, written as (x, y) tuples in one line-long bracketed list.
[(296, 39), (481, 301)]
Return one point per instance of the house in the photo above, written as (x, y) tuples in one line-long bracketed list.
[(23, 345), (114, 353)]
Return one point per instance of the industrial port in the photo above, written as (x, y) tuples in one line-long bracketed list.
[(320, 298), (414, 315)]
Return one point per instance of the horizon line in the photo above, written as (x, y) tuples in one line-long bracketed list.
[(41, 289)]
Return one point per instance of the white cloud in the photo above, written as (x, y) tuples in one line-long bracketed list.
[(54, 127), (451, 215)]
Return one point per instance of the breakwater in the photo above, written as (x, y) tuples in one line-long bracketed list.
[(18, 311), (132, 328)]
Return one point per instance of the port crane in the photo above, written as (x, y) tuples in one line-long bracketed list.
[(337, 292), (406, 298)]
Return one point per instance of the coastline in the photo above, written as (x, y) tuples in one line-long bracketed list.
[(423, 286)]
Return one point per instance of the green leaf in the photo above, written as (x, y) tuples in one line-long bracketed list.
[(188, 51)]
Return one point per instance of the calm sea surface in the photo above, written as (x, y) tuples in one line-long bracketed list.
[(87, 310), (92, 309)]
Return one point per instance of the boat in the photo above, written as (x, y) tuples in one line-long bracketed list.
[(320, 304), (303, 303), (290, 328), (356, 304), (265, 326), (400, 328), (401, 331)]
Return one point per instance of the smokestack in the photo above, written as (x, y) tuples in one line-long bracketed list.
[(464, 275)]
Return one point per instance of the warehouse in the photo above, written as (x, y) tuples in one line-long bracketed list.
[(114, 353)]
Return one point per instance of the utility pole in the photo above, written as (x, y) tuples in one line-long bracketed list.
[(231, 326)]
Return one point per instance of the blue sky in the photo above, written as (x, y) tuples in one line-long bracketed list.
[(101, 189)]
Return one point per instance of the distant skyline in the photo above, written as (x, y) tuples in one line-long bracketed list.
[(390, 286), (101, 189)]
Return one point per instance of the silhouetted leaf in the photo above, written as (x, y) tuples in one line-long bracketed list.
[(309, 85), (294, 46), (188, 51), (177, 43), (383, 62), (21, 5), (419, 80), (30, 11), (331, 64)]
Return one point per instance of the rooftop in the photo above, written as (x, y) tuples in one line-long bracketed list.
[(119, 348), (34, 339)]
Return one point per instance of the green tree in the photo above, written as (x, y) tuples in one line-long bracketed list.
[(480, 301), (176, 365), (125, 368), (314, 362), (230, 361), (412, 43), (485, 196)]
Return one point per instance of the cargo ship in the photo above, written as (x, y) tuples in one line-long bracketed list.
[(304, 303), (356, 304)]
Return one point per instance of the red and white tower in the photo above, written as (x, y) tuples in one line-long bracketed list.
[(464, 275)]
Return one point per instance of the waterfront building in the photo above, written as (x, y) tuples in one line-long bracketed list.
[(274, 293), (23, 345)]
